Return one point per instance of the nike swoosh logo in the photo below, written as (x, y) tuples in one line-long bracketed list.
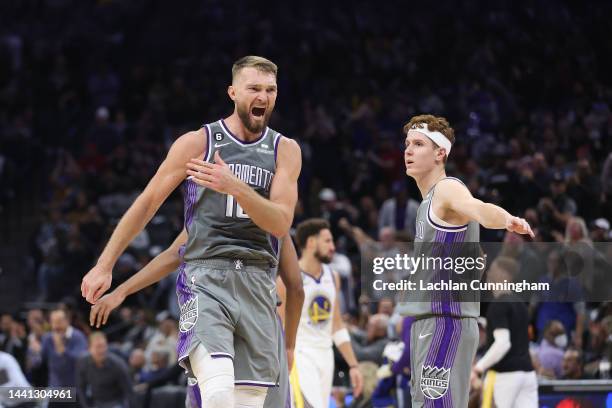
[(422, 336), (222, 144)]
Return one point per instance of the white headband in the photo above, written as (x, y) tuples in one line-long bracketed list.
[(437, 137)]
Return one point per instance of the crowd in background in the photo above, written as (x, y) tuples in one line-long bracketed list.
[(92, 94)]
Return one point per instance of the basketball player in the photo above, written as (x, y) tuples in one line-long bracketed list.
[(511, 381), (321, 323), (445, 334), (169, 260), (236, 209)]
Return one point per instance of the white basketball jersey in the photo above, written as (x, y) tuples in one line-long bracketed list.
[(315, 329)]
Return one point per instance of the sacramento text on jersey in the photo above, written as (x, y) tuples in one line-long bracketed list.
[(475, 284)]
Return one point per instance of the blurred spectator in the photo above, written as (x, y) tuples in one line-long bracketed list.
[(601, 230), (556, 210), (369, 346), (562, 301), (399, 212), (552, 347), (572, 365), (13, 338), (160, 372), (165, 338), (333, 210), (137, 362), (600, 353), (37, 327), (385, 306), (60, 350), (103, 379)]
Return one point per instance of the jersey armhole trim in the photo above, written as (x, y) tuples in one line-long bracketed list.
[(277, 139), (437, 222), (209, 146)]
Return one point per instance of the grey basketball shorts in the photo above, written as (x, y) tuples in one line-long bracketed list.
[(277, 397), (229, 306), (442, 350)]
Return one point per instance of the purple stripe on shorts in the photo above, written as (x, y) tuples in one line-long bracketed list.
[(221, 355), (254, 384), (445, 342), (183, 293), (435, 341), (438, 351), (450, 358)]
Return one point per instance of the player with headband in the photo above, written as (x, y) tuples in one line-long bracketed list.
[(444, 335)]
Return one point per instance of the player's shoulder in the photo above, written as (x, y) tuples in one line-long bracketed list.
[(289, 154), (194, 136), (193, 142), (288, 144), (450, 186)]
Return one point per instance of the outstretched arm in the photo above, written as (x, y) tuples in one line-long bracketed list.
[(158, 268), (294, 294), (455, 197), (274, 215), (169, 175)]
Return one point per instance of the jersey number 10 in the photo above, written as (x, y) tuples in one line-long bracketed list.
[(229, 208)]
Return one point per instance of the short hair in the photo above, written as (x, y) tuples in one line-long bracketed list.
[(96, 335), (550, 324), (434, 124), (62, 310), (253, 61), (308, 228)]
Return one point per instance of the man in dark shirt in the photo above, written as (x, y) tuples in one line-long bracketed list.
[(103, 379), (511, 374)]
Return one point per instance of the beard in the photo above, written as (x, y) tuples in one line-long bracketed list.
[(325, 259), (254, 127)]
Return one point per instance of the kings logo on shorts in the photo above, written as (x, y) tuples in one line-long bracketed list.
[(434, 381), (189, 314)]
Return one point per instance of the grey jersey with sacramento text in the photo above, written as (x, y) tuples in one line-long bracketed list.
[(216, 225), (436, 238)]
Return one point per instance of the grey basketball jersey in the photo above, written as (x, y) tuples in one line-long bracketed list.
[(441, 241), (216, 224)]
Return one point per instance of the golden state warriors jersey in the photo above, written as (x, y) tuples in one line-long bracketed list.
[(315, 329)]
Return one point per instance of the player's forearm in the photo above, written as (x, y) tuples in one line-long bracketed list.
[(346, 349), (293, 289), (267, 215), (497, 351), (491, 216), (159, 267), (133, 221), (293, 309)]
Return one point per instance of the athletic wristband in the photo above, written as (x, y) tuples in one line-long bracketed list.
[(341, 336)]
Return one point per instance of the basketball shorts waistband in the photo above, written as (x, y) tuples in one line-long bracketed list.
[(234, 263)]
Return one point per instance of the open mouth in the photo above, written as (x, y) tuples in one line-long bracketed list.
[(258, 112), (409, 162)]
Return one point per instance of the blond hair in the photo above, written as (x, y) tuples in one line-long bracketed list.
[(253, 61)]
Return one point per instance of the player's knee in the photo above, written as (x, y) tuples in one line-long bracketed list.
[(250, 396), (217, 398), (215, 378), (217, 392)]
